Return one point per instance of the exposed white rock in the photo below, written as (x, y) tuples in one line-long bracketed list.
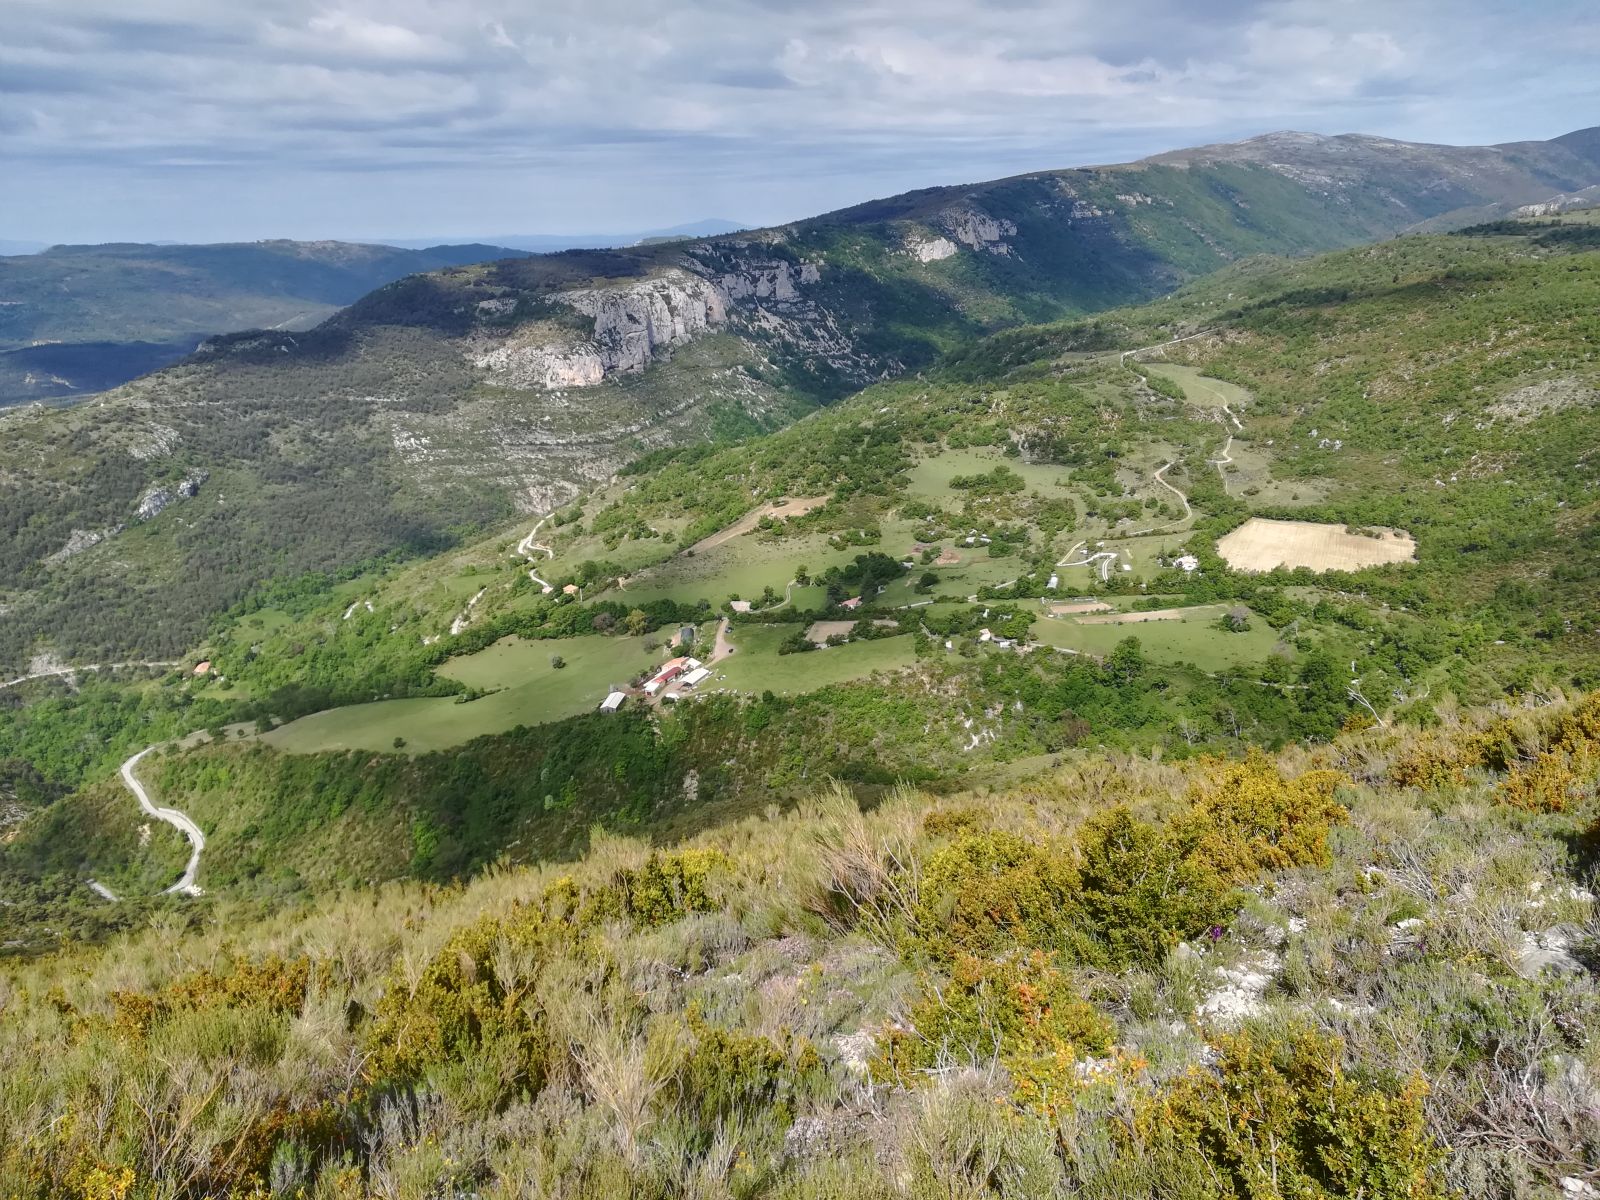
[(855, 1049), (158, 497), (81, 540), (1243, 991), (635, 322), (977, 230), (1549, 950), (930, 249)]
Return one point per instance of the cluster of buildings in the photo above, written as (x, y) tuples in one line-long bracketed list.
[(681, 674), (686, 672)]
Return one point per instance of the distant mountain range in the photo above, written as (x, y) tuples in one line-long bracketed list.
[(78, 319), (443, 401), (550, 243)]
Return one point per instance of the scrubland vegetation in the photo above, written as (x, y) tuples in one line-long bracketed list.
[(1365, 969)]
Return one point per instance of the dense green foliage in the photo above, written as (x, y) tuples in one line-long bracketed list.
[(766, 1010)]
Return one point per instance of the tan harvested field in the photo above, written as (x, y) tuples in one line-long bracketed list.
[(1156, 614), (1082, 606), (1260, 545), (798, 507)]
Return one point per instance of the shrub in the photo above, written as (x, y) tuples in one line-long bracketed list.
[(1140, 892), (1283, 1119), (726, 1076), (665, 888), (1018, 1011), (1245, 818), (276, 985), (462, 1005), (990, 892)]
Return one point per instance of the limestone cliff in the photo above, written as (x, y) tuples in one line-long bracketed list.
[(632, 323)]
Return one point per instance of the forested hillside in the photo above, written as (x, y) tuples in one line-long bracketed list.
[(443, 403), (1023, 553)]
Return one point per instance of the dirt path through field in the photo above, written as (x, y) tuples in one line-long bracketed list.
[(798, 507), (723, 647)]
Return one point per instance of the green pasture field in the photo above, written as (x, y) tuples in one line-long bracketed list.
[(532, 693), (746, 565), (1202, 389), (1192, 639), (756, 666), (930, 478)]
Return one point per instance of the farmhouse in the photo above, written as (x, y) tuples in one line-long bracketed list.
[(853, 602), (669, 671)]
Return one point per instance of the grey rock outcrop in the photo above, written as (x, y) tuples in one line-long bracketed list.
[(159, 497), (634, 323), (977, 230), (81, 540)]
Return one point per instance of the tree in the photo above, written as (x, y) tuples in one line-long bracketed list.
[(399, 743), (802, 576), (603, 623), (557, 662), (637, 622), (1126, 662)]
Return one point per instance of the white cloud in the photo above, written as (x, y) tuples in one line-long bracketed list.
[(565, 112)]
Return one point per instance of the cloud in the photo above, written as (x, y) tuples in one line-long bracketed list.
[(332, 117)]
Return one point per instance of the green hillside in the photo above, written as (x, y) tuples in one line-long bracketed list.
[(426, 718), (440, 405), (1363, 970)]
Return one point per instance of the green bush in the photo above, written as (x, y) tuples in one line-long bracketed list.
[(1019, 1011), (1284, 1120), (989, 892)]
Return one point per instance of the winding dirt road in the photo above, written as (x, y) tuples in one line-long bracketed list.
[(86, 667), (197, 840), (526, 548)]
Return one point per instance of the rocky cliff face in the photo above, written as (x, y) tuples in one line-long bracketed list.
[(633, 323), (977, 230)]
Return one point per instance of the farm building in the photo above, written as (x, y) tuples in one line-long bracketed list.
[(669, 671), (696, 676), (853, 602), (612, 702)]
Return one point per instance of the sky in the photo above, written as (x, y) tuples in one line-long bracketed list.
[(213, 120)]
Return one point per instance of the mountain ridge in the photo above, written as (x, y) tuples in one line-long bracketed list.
[(462, 396)]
